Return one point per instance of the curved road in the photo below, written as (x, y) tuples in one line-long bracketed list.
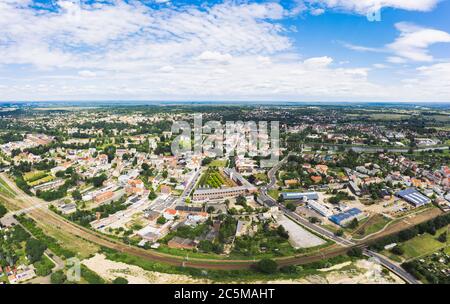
[(267, 199)]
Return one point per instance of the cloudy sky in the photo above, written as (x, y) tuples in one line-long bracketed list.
[(285, 50)]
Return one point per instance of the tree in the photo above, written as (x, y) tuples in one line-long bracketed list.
[(58, 277), (355, 252), (282, 232), (353, 224), (120, 280), (443, 237), (110, 151), (267, 266), (3, 210), (206, 161), (76, 195), (152, 195), (291, 206), (34, 249), (314, 220), (165, 174), (241, 200), (161, 220), (339, 232), (98, 180), (397, 250)]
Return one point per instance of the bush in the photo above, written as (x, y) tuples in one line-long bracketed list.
[(3, 210), (289, 269), (120, 280), (35, 249), (58, 277), (267, 266), (398, 250), (90, 276), (443, 237), (355, 252), (43, 267), (161, 220), (339, 232)]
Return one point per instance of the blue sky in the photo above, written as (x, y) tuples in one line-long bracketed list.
[(288, 50)]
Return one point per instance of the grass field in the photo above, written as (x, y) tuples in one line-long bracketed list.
[(388, 116), (45, 179), (372, 225), (214, 179), (218, 163), (262, 177), (34, 176), (5, 189), (274, 193), (420, 245)]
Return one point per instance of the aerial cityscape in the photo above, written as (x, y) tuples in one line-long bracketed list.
[(224, 142), (359, 195)]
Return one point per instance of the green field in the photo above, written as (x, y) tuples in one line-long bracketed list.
[(218, 163), (372, 225), (45, 179), (213, 179), (420, 245), (6, 190)]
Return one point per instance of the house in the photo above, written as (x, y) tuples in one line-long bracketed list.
[(169, 214), (181, 243), (103, 197), (67, 208), (316, 178), (290, 182), (165, 189), (322, 169)]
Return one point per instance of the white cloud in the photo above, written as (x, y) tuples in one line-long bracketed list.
[(215, 57), (235, 51), (87, 74), (414, 41), (318, 62), (317, 11), (365, 6), (411, 45), (167, 69)]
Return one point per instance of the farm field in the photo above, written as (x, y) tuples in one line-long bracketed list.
[(214, 179), (35, 178), (218, 163)]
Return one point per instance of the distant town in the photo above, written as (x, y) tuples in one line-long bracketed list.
[(357, 195)]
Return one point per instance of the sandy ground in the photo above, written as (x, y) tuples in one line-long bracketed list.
[(361, 272), (299, 237), (110, 270)]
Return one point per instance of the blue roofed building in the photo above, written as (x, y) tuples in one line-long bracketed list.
[(344, 218), (413, 197)]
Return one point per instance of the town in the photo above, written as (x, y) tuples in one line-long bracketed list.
[(372, 183)]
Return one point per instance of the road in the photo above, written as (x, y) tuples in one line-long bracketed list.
[(326, 233), (398, 270), (190, 186)]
